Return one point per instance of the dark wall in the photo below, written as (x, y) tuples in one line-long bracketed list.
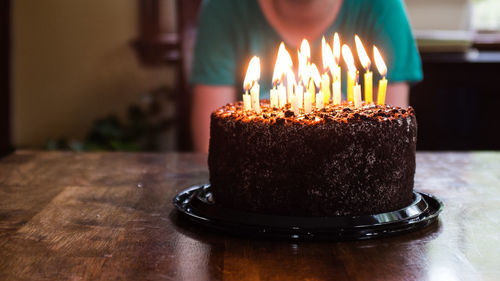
[(4, 76), (458, 103)]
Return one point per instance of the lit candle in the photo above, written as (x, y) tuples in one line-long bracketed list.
[(320, 100), (251, 83), (281, 96), (314, 81), (299, 94), (283, 63), (307, 102), (336, 73), (295, 105), (273, 98), (290, 80), (328, 64), (357, 94), (365, 61), (382, 69), (351, 72)]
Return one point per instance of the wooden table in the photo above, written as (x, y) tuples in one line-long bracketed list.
[(108, 216)]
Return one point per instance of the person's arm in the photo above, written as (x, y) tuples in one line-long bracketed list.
[(398, 94), (206, 99)]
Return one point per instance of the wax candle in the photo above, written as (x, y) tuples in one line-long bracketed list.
[(351, 73), (247, 101), (290, 80), (336, 71), (314, 81), (299, 94), (357, 95), (320, 100), (337, 94), (382, 69), (307, 102), (328, 64), (295, 105), (325, 88), (350, 86), (255, 92), (251, 83), (281, 96), (273, 98), (365, 61), (382, 87)]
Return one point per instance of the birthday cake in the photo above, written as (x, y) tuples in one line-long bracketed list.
[(340, 160)]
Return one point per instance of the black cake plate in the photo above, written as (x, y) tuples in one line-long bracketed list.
[(197, 204)]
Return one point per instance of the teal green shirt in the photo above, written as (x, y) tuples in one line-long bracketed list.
[(232, 31)]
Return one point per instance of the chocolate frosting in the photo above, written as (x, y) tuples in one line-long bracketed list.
[(339, 160)]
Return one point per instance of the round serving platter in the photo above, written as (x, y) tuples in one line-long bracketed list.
[(198, 204)]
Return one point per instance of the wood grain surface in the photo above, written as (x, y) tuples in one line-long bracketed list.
[(108, 216)]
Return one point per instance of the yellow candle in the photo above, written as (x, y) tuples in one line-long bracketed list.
[(382, 86), (247, 101), (350, 86), (337, 94), (382, 69), (352, 72), (369, 87), (325, 88), (307, 102), (366, 62), (299, 94), (357, 95), (255, 97)]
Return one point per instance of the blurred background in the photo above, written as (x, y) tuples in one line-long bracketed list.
[(111, 75)]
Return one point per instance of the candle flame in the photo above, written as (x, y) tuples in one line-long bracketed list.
[(363, 56), (303, 72), (336, 47), (328, 59), (305, 49), (253, 73), (379, 61), (348, 58), (314, 74), (283, 63)]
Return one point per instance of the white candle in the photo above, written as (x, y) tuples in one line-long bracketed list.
[(357, 95), (307, 102), (255, 97), (281, 96), (299, 93), (289, 85), (295, 105), (247, 101), (320, 99), (273, 98), (337, 94)]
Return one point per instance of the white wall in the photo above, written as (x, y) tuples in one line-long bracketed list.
[(72, 62)]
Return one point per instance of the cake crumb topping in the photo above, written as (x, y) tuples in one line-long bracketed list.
[(345, 112)]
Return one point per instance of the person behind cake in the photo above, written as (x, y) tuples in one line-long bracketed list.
[(230, 32)]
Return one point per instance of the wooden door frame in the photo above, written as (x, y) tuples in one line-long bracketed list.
[(5, 45)]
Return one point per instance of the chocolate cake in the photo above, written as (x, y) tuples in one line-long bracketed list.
[(336, 161)]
